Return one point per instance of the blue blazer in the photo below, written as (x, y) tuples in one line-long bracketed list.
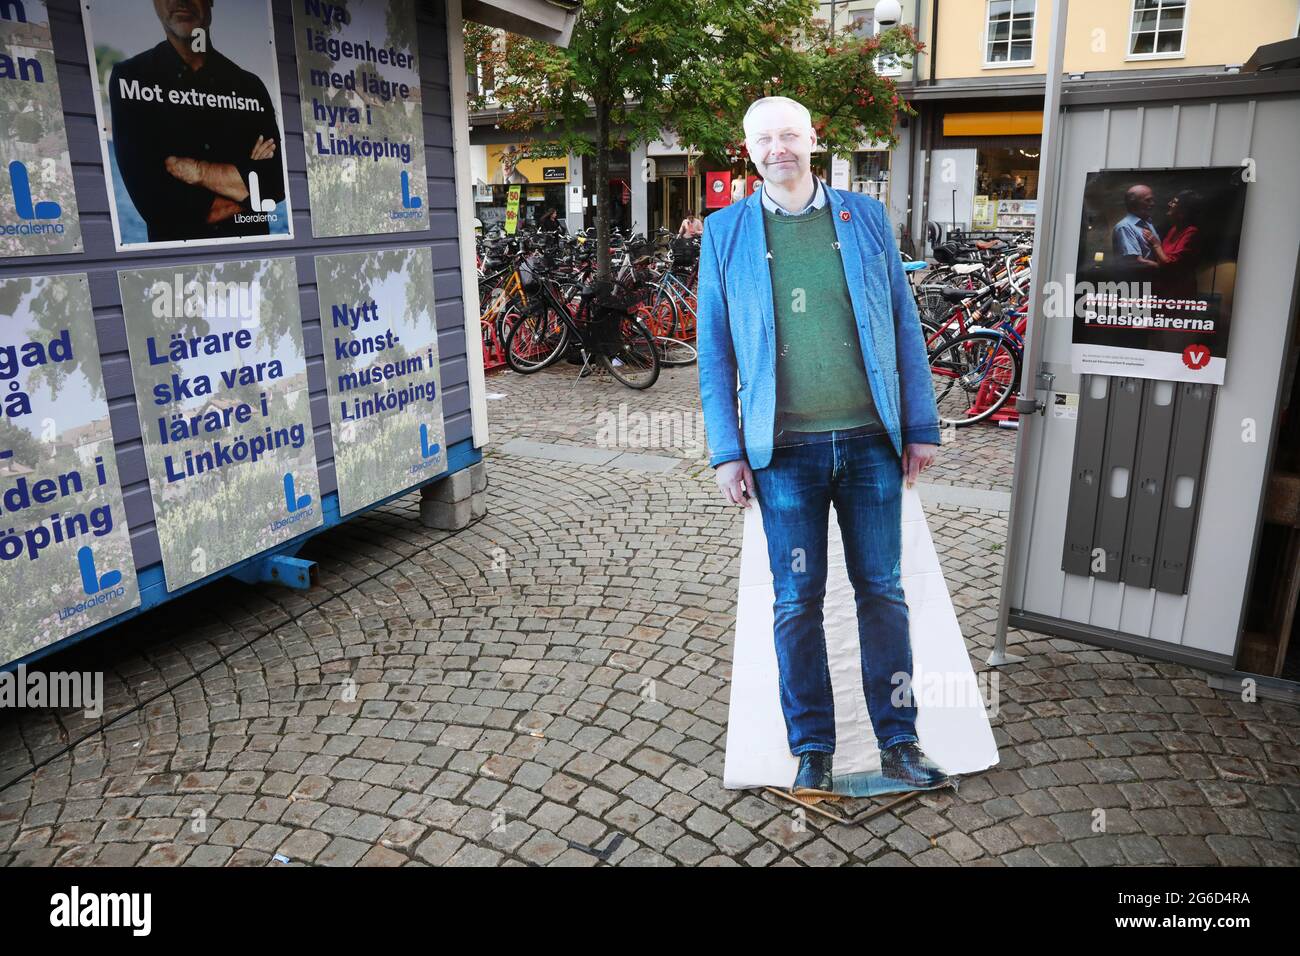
[(737, 328)]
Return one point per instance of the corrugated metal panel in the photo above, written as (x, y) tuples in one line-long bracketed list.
[(1171, 134), (101, 262)]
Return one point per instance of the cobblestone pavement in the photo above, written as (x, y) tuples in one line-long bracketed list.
[(474, 698)]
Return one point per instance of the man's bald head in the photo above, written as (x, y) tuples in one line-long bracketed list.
[(780, 138), (1140, 200), (779, 110)]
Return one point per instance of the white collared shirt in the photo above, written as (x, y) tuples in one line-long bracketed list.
[(818, 200)]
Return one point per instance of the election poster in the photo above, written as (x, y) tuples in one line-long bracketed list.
[(38, 204), (65, 551), (1156, 273), (359, 84), (381, 370), (188, 103), (221, 389)]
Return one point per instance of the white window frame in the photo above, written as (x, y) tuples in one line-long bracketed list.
[(1132, 22), (1008, 64), (886, 64)]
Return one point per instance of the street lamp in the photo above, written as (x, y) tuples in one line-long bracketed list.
[(887, 14)]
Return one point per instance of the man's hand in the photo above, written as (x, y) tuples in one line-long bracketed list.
[(223, 179), (263, 149), (917, 458), (222, 209), (736, 482), (188, 171)]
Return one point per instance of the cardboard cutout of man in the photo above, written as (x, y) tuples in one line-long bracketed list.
[(806, 321)]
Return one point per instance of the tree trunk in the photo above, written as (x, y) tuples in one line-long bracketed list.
[(602, 188)]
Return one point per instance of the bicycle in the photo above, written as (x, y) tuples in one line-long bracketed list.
[(976, 373), (950, 311), (669, 306), (603, 325)]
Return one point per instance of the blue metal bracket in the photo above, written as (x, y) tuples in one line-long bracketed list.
[(283, 569)]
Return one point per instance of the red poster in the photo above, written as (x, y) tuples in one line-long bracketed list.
[(751, 183), (717, 190)]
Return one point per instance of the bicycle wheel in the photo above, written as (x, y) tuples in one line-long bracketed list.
[(674, 353), (660, 313), (536, 340), (973, 376), (685, 305), (634, 360)]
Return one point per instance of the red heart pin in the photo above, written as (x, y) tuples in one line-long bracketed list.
[(844, 214)]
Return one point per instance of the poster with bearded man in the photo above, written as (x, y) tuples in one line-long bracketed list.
[(189, 115)]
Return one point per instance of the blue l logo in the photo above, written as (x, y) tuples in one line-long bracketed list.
[(91, 582), (427, 450), (409, 201), (292, 501), (22, 186)]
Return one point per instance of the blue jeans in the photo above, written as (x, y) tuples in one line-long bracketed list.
[(858, 471)]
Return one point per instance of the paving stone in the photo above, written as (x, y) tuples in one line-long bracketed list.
[(556, 676)]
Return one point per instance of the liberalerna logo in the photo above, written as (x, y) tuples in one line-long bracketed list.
[(292, 500), (426, 449), (20, 181), (409, 201), (91, 580), (255, 196)]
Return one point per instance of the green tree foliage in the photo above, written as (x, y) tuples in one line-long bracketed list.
[(635, 67)]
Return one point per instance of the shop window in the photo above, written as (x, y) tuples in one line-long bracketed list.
[(1009, 33), (1010, 173), (1157, 29), (870, 174)]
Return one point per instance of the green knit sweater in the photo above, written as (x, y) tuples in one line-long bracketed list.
[(821, 379)]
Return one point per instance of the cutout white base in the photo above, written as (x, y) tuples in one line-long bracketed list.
[(952, 724)]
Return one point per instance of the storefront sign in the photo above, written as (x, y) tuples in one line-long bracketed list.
[(188, 103), (1156, 273), (839, 172), (221, 388), (38, 204), (359, 81), (717, 190), (65, 552), (381, 371), (507, 165)]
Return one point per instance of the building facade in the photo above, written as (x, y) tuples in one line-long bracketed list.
[(979, 83), (969, 158)]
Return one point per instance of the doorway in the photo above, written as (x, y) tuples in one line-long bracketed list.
[(678, 197), (1270, 640)]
